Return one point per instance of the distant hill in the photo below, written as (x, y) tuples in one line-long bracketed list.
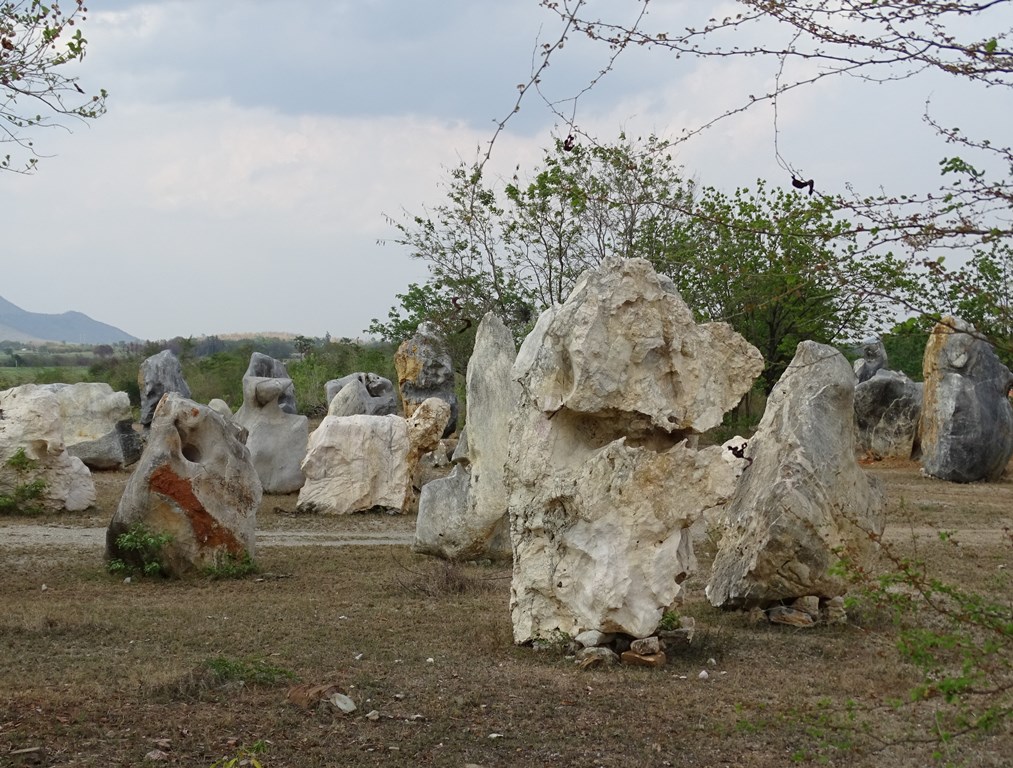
[(72, 327)]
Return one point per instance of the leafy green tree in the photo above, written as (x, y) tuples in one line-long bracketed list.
[(39, 42)]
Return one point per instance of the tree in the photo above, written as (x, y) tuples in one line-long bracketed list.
[(38, 45), (869, 40)]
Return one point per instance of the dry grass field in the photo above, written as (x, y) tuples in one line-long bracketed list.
[(97, 672)]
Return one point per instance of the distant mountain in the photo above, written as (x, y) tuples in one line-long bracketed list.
[(71, 327)]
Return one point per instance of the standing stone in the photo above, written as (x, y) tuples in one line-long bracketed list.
[(603, 483), (30, 421), (424, 370), (888, 407), (276, 438), (360, 393), (464, 516), (159, 374), (873, 359), (194, 482), (803, 498), (967, 418), (266, 367)]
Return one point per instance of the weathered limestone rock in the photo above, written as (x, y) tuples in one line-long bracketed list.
[(266, 367), (97, 424), (354, 464), (159, 374), (219, 405), (887, 409), (276, 438), (30, 421), (873, 359), (424, 370), (195, 482), (966, 429), (425, 427), (803, 496), (464, 516), (603, 483), (361, 393)]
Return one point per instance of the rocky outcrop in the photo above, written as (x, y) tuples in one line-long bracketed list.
[(159, 374), (276, 438), (603, 481), (803, 499), (424, 370), (966, 430), (30, 421), (361, 393), (196, 483), (464, 516), (888, 407)]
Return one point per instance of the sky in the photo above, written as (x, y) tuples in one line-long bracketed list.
[(243, 178)]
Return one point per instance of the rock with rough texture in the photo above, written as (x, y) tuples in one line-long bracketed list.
[(966, 429), (30, 421), (887, 410), (603, 483), (97, 424), (424, 370), (159, 374), (803, 498), (196, 483), (361, 393), (873, 359), (465, 516), (276, 438), (425, 427), (266, 367)]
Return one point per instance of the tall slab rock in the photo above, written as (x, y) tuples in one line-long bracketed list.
[(424, 370), (464, 516), (276, 438), (603, 483), (803, 497), (888, 407), (157, 375), (30, 420), (195, 482), (967, 418)]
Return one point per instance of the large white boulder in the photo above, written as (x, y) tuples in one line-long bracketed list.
[(804, 502), (97, 424), (603, 478), (30, 420)]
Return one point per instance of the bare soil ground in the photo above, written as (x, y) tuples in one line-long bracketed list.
[(96, 672)]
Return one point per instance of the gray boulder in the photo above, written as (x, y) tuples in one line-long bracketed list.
[(195, 482), (803, 498), (966, 430), (276, 438), (368, 394), (425, 370), (888, 407), (159, 374), (873, 359), (116, 449), (266, 367)]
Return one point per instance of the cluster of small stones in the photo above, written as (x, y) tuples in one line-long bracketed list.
[(593, 648), (804, 612)]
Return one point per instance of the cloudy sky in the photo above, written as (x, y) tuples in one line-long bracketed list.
[(241, 178)]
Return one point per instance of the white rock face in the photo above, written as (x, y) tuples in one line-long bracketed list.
[(89, 410), (603, 482), (195, 482), (803, 496), (356, 463), (30, 420), (276, 438), (464, 516)]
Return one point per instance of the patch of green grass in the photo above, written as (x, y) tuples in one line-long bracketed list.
[(248, 672), (22, 498), (230, 566)]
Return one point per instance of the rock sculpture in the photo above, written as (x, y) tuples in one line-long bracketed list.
[(30, 421), (873, 359), (196, 483), (97, 424), (803, 498), (361, 393), (276, 438), (266, 367), (464, 516), (360, 463), (887, 409), (424, 370), (603, 483), (966, 430), (159, 374)]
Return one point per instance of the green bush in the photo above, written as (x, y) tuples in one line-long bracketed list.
[(23, 497)]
